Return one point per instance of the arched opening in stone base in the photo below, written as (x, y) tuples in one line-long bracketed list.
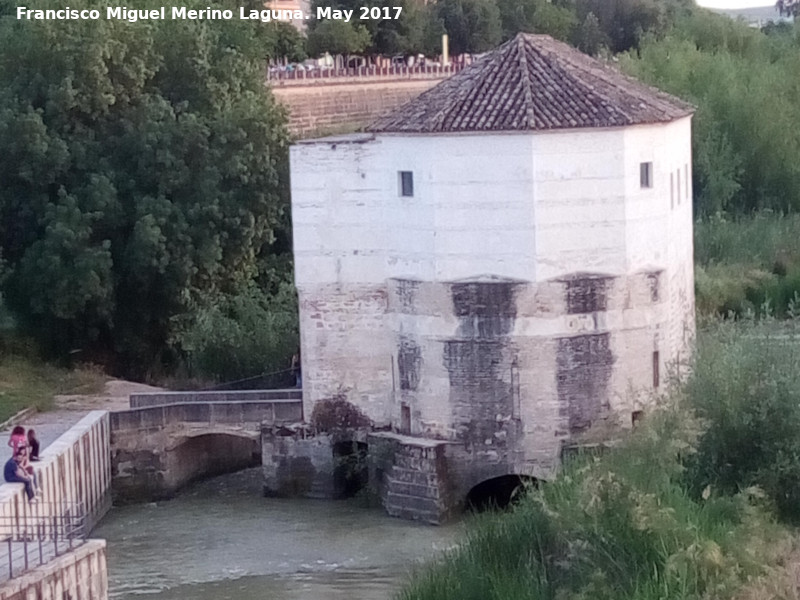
[(208, 455), (350, 468), (498, 492)]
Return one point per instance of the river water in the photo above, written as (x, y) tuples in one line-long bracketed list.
[(220, 539)]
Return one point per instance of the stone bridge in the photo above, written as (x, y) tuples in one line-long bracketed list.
[(168, 439)]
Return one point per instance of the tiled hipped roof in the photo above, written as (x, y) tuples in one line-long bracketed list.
[(533, 83)]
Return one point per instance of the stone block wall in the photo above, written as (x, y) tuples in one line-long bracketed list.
[(78, 575), (411, 476), (321, 107), (297, 467)]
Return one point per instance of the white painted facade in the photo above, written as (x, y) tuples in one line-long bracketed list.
[(528, 209)]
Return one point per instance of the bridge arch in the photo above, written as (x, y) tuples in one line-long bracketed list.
[(497, 492), (199, 455)]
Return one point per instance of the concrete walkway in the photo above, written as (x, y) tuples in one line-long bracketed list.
[(70, 409)]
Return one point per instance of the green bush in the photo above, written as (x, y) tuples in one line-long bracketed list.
[(242, 335), (745, 386), (744, 85), (748, 264), (617, 527)]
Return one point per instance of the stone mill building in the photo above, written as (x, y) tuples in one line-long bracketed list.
[(496, 266)]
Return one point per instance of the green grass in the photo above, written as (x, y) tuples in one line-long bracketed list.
[(25, 382), (619, 527), (749, 264)]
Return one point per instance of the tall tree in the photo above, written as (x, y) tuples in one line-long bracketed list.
[(536, 16), (141, 173), (337, 37), (472, 26)]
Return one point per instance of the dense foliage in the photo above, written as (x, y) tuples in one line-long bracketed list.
[(748, 265), (618, 527), (142, 178), (744, 83), (746, 389), (475, 26)]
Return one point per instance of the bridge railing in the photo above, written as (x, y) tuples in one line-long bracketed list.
[(193, 397), (208, 413), (393, 72)]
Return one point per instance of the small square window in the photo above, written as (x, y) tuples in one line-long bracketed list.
[(646, 174), (406, 183)]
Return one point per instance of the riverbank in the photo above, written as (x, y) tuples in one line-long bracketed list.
[(748, 265), (699, 501), (28, 383)]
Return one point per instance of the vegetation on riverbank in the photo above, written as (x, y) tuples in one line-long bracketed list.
[(748, 264), (31, 383), (743, 82), (690, 506)]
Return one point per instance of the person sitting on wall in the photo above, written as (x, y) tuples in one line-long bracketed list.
[(14, 473), (33, 445), (17, 439), (26, 466)]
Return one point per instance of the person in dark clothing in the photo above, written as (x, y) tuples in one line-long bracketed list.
[(297, 369), (14, 473), (33, 446)]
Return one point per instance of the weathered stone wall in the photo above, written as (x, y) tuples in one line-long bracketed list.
[(73, 470), (297, 467), (411, 477), (157, 450), (77, 575), (321, 106)]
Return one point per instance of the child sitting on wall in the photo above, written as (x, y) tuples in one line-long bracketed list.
[(33, 445)]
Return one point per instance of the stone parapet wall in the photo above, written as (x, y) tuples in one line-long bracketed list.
[(161, 398), (78, 575), (210, 413), (74, 470)]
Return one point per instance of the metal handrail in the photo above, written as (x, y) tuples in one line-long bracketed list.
[(47, 531)]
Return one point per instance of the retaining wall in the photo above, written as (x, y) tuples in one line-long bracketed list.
[(211, 413), (77, 575), (325, 107), (75, 469)]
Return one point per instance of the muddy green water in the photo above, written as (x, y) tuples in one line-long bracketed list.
[(221, 540)]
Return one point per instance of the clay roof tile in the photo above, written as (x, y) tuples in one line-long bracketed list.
[(532, 83)]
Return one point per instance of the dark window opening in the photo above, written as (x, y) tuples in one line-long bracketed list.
[(636, 417), (350, 468), (405, 419), (406, 183), (656, 377), (646, 174)]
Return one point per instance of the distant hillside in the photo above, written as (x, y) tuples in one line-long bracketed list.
[(757, 14)]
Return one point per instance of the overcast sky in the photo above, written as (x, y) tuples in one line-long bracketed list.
[(735, 3)]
